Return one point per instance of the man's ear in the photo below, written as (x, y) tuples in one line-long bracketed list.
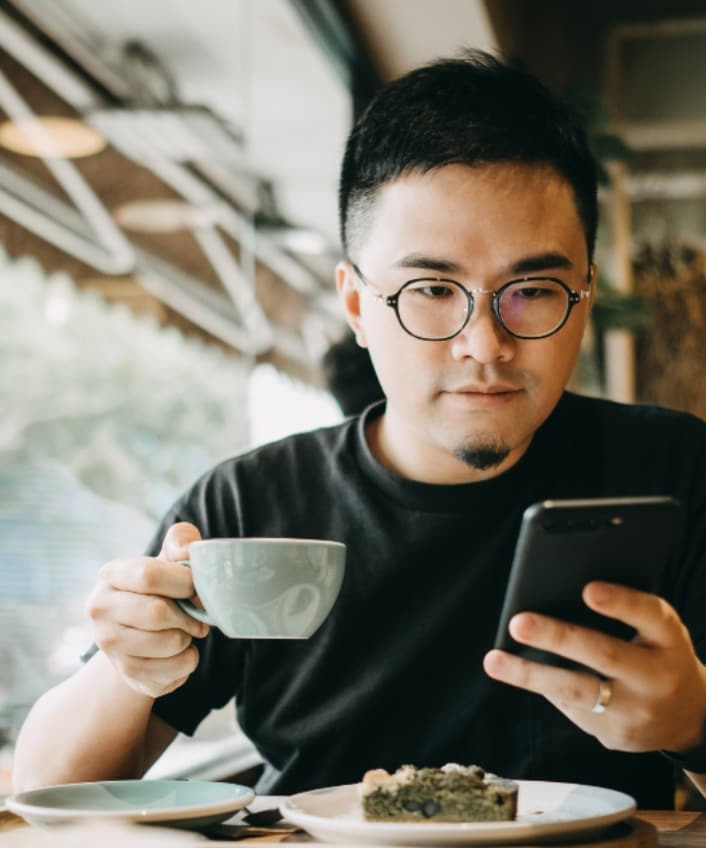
[(593, 280), (349, 293)]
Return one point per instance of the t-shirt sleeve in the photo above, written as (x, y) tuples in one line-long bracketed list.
[(214, 682)]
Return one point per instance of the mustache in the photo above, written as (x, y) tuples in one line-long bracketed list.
[(509, 378)]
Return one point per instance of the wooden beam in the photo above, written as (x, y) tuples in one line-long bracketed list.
[(619, 345)]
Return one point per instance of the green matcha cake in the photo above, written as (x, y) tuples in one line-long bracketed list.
[(452, 793)]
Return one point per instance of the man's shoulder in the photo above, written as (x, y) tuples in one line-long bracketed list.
[(295, 449), (224, 500), (603, 412), (634, 433)]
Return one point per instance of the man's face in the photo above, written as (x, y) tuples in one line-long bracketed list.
[(467, 408)]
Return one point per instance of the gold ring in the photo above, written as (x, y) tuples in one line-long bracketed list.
[(605, 693)]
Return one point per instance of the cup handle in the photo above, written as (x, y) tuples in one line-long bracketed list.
[(189, 608)]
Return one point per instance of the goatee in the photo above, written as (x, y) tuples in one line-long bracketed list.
[(482, 457)]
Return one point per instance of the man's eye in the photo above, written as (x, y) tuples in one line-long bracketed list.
[(434, 291), (535, 292)]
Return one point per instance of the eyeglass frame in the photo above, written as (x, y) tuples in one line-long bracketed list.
[(392, 300)]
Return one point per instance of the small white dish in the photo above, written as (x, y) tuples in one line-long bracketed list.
[(184, 803), (545, 811)]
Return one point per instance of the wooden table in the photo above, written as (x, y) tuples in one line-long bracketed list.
[(677, 829), (649, 828)]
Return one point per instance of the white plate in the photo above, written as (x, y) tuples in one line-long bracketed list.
[(544, 811), (186, 803)]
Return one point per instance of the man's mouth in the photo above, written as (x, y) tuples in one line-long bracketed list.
[(485, 389), (483, 395)]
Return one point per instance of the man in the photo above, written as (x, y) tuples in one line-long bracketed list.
[(468, 216)]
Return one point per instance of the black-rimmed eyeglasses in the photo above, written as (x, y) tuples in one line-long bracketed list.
[(436, 309)]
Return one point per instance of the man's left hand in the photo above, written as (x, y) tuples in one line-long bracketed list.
[(656, 682)]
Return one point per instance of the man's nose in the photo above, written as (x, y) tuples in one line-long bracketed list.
[(483, 338)]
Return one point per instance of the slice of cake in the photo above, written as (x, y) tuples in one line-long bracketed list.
[(452, 793)]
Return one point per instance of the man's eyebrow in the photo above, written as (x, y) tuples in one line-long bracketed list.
[(540, 262), (549, 260), (428, 263)]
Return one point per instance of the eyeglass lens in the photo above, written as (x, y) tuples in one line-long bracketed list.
[(435, 309)]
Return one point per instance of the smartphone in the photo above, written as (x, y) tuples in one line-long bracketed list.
[(562, 545)]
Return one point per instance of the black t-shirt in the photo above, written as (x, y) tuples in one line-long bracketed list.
[(394, 674)]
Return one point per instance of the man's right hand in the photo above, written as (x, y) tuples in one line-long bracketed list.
[(138, 626)]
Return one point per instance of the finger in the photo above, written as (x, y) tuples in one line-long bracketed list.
[(149, 576), (131, 642), (154, 614), (143, 587), (175, 545), (653, 618), (567, 690), (607, 655)]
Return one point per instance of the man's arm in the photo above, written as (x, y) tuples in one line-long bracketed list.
[(98, 724), (92, 726)]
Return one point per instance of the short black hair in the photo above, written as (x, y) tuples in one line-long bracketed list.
[(473, 110)]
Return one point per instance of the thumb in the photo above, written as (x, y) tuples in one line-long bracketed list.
[(177, 540)]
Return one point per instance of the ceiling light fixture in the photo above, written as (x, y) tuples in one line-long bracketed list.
[(303, 240), (51, 137), (165, 215)]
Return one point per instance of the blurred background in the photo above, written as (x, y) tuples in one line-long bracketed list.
[(168, 235)]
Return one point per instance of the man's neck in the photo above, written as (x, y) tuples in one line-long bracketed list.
[(431, 464)]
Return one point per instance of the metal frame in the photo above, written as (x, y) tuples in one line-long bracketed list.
[(254, 335)]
